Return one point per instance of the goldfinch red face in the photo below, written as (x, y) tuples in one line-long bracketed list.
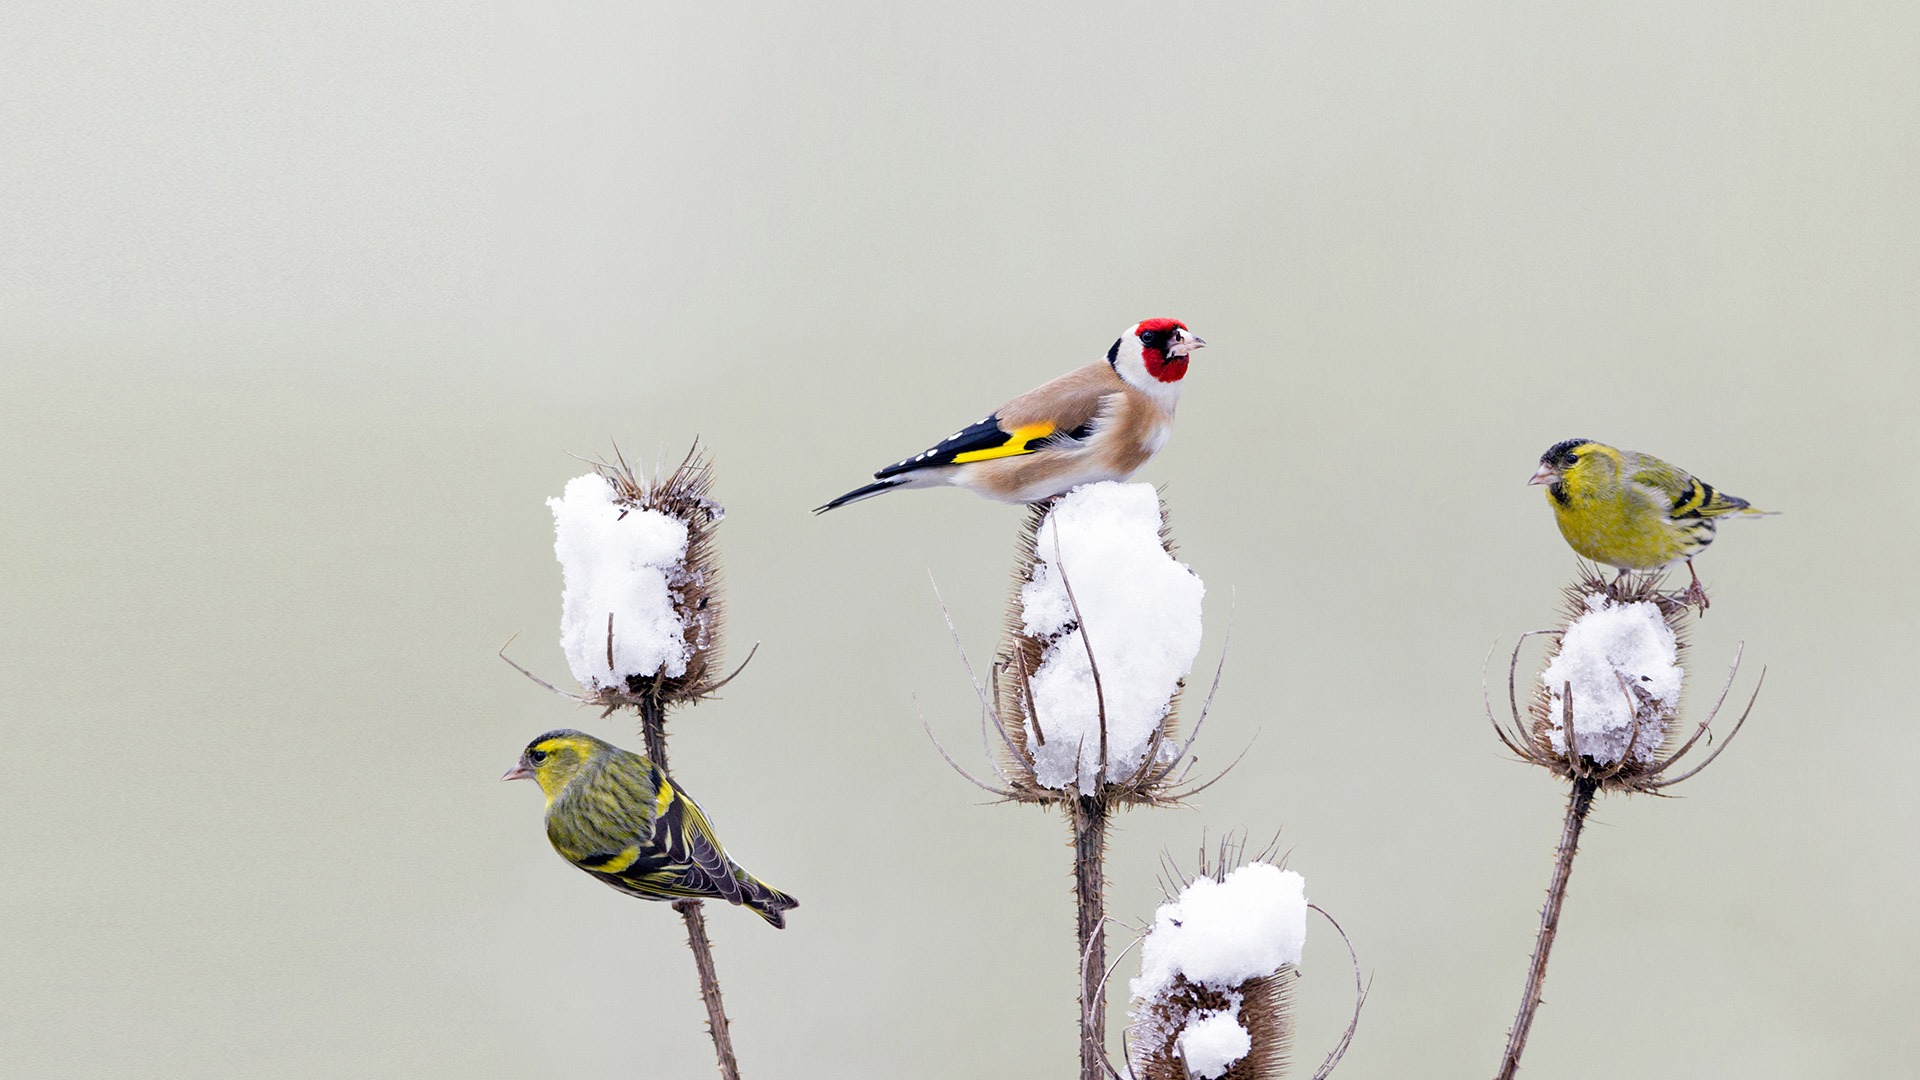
[(1152, 355)]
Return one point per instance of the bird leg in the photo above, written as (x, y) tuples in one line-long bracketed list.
[(1695, 594)]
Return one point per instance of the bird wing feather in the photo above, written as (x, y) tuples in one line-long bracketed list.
[(1065, 408), (680, 858), (1680, 493)]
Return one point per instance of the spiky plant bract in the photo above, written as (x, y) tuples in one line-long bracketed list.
[(1265, 1006), (1154, 782), (1644, 766), (683, 494)]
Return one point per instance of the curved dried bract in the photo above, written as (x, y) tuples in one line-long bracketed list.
[(1016, 714), (1360, 990), (683, 494), (1646, 763), (1260, 1005)]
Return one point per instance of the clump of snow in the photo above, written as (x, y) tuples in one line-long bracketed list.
[(1609, 645), (1142, 611), (619, 562), (1212, 1041), (1223, 933), (1219, 935)]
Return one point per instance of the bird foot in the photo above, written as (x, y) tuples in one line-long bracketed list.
[(1695, 595)]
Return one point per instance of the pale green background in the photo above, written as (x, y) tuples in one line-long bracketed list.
[(301, 309)]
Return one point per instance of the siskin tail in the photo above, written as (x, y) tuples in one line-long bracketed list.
[(766, 901)]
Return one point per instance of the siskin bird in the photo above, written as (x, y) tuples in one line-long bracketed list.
[(1631, 510), (614, 814), (1099, 422)]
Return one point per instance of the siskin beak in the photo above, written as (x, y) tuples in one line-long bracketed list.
[(1185, 343), (1546, 474), (518, 772)]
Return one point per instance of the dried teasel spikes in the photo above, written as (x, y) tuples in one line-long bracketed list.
[(1262, 1008), (684, 495), (1218, 969), (642, 609), (1095, 734), (1606, 707)]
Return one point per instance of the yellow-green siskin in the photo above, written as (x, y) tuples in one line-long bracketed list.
[(615, 815), (1631, 510)]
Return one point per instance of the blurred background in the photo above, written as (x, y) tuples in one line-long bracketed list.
[(302, 310)]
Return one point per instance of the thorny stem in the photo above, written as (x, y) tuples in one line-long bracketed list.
[(696, 920), (1089, 892), (653, 728), (1578, 805)]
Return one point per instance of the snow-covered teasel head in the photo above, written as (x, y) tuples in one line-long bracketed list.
[(1102, 631), (641, 606), (1213, 998), (1607, 703), (1615, 675)]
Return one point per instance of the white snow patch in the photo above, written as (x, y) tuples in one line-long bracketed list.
[(1611, 644), (1142, 611), (1212, 1041), (1220, 935), (1223, 933), (623, 562)]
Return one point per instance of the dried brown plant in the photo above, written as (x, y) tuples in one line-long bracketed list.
[(1265, 1003), (1007, 709), (684, 494), (1529, 734)]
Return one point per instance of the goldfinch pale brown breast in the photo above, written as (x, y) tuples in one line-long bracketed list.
[(1633, 511), (1099, 422), (616, 815)]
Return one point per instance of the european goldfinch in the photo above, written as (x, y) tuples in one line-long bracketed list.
[(1099, 422), (1633, 511), (614, 814)]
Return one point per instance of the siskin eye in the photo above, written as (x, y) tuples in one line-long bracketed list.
[(536, 756)]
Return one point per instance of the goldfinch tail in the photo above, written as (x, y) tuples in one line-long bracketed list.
[(860, 493), (767, 902)]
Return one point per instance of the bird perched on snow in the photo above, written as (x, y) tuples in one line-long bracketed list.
[(614, 814), (1633, 511), (1099, 422)]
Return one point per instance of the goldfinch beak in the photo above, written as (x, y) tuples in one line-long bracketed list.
[(518, 772), (1547, 474), (1185, 342)]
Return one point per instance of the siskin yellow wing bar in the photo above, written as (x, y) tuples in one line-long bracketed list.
[(617, 863)]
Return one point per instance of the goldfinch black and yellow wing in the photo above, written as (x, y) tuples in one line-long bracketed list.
[(983, 441), (1062, 411)]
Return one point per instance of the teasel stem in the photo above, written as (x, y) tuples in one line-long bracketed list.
[(1090, 815), (1578, 805), (653, 728), (691, 911)]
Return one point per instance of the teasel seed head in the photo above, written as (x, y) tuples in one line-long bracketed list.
[(1606, 706), (1101, 631), (1217, 971), (642, 610)]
